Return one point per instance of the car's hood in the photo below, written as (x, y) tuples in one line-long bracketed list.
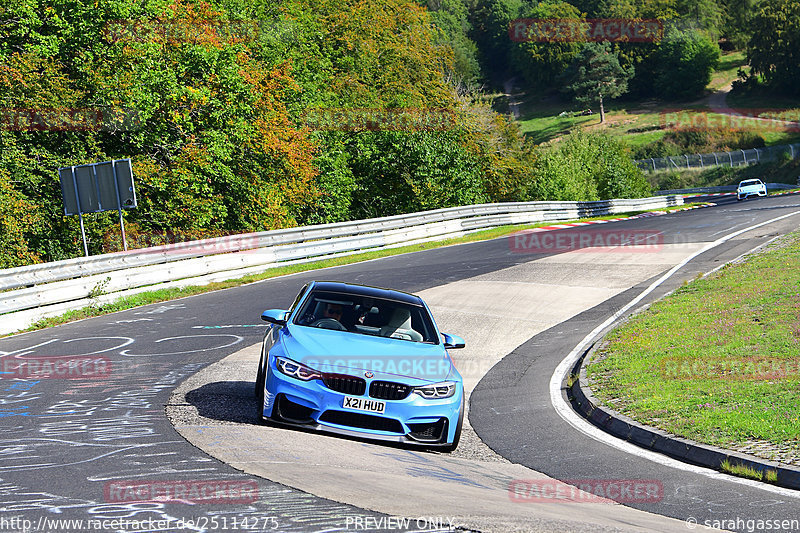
[(354, 354)]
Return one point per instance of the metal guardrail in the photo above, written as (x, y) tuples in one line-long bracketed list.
[(731, 159), (57, 286), (723, 188)]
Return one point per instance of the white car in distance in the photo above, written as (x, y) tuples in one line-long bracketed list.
[(747, 188)]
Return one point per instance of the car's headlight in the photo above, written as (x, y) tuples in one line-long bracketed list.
[(445, 389), (296, 370)]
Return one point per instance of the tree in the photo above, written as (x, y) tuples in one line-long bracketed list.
[(17, 218), (685, 61), (489, 21), (541, 62), (772, 49), (451, 18), (596, 74), (737, 28), (706, 14), (586, 166)]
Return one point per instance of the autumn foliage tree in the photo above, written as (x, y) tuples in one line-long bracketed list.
[(212, 99)]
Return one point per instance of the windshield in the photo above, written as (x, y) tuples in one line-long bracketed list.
[(749, 182), (364, 315)]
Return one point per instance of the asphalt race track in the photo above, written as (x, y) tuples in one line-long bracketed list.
[(101, 451)]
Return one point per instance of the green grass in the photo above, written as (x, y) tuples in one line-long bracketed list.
[(770, 476), (718, 361), (640, 122), (727, 70), (161, 295), (540, 120), (760, 99)]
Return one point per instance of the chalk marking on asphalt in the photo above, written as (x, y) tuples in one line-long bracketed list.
[(566, 412)]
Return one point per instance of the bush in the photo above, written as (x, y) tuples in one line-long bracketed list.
[(588, 167), (680, 67), (672, 180), (681, 142)]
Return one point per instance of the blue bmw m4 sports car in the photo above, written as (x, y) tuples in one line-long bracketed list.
[(361, 361)]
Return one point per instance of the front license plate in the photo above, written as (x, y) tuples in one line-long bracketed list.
[(363, 404)]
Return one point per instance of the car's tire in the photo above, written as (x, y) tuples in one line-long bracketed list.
[(259, 391), (457, 437), (257, 388)]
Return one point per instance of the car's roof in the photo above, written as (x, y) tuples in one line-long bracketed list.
[(752, 180), (366, 290)]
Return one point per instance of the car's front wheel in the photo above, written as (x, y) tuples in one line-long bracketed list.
[(259, 391)]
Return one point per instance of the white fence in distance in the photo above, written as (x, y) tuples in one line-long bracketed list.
[(732, 159)]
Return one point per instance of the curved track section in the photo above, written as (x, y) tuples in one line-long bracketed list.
[(114, 452)]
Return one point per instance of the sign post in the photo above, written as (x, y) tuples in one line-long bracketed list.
[(98, 187)]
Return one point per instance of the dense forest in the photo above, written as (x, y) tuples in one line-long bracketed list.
[(248, 115)]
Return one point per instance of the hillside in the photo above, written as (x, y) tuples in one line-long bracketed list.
[(243, 116)]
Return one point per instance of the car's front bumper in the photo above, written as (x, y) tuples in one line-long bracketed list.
[(311, 404), (742, 195)]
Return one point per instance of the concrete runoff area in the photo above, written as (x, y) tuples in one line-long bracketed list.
[(495, 313)]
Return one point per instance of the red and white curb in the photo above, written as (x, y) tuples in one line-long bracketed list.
[(734, 194), (605, 221), (709, 194)]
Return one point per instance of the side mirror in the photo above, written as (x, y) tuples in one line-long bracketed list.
[(274, 316), (453, 341)]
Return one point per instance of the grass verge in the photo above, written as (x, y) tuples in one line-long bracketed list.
[(770, 476), (165, 294), (717, 361)]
